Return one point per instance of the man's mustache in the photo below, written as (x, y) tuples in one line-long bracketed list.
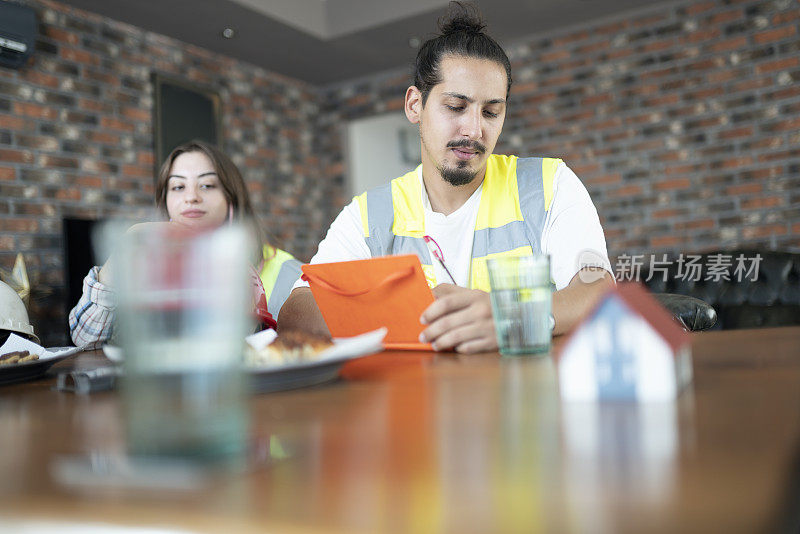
[(466, 143)]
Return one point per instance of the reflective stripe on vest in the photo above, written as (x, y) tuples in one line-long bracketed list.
[(278, 275), (517, 194), (395, 221)]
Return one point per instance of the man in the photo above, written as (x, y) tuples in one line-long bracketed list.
[(472, 203)]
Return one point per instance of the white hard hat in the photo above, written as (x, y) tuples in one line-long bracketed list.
[(13, 315)]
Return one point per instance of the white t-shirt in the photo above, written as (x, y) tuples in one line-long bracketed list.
[(572, 233)]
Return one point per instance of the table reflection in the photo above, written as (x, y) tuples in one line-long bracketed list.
[(423, 442), (630, 448)]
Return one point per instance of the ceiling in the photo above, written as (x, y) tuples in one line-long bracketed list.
[(329, 41)]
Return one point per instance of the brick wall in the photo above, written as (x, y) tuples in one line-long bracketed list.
[(76, 140), (681, 120)]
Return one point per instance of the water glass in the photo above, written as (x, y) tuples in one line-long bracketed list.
[(521, 296), (183, 313)]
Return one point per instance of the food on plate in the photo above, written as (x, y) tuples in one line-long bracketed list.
[(289, 347), (19, 356)]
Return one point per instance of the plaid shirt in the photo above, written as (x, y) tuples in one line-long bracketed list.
[(91, 321)]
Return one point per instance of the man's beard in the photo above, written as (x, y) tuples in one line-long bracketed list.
[(461, 174), (457, 176)]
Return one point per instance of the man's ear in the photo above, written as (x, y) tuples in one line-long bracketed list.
[(413, 105)]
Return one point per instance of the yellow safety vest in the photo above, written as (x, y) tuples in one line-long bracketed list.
[(278, 275), (517, 194)]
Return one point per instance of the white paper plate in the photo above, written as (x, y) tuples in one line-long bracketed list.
[(322, 369), (18, 372)]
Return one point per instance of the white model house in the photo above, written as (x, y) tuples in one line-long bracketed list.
[(628, 348)]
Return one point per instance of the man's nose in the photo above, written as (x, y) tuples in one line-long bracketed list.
[(472, 125)]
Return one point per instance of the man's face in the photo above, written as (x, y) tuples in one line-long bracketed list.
[(462, 118)]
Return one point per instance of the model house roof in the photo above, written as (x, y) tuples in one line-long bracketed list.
[(639, 300)]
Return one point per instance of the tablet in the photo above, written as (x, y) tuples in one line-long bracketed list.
[(363, 295)]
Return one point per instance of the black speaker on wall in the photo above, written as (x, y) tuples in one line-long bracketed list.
[(183, 112), (17, 34)]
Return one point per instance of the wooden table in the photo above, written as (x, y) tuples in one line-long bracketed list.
[(416, 442)]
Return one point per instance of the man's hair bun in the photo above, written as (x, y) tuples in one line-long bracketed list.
[(465, 21), (463, 36)]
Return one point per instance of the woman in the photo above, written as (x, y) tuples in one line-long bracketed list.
[(199, 188)]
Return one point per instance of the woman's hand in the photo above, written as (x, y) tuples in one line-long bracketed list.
[(104, 275)]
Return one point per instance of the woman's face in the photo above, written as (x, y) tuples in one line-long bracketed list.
[(194, 194)]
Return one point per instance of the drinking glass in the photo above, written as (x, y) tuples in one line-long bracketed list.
[(183, 302), (521, 296)]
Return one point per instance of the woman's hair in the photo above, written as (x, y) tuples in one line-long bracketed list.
[(462, 35), (230, 179)]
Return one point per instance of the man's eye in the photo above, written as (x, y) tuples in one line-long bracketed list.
[(455, 108), (490, 114)]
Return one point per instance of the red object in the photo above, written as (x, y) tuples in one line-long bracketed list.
[(260, 302), (436, 250)]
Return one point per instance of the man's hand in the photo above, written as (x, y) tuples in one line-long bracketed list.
[(459, 319)]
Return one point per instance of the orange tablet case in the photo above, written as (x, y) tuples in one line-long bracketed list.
[(363, 295)]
